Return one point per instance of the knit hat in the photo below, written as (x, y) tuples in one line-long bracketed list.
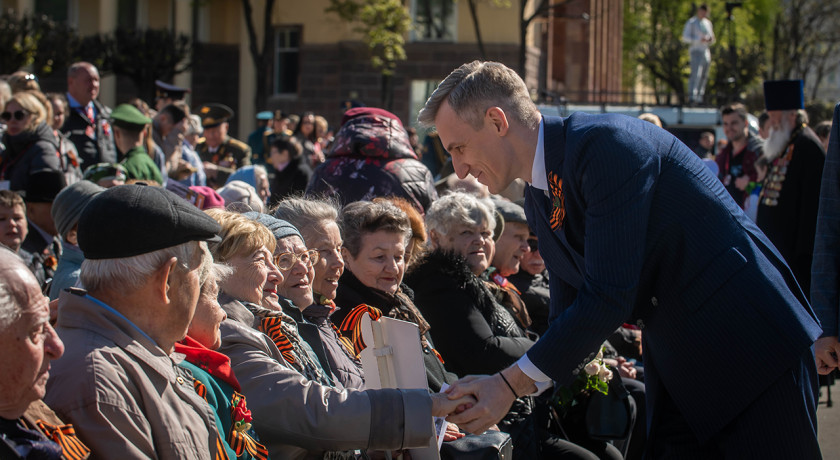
[(279, 228), (240, 192), (70, 202)]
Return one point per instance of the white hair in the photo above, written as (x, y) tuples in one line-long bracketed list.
[(132, 272), (10, 308), (456, 208)]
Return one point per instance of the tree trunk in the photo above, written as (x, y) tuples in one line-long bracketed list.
[(477, 27)]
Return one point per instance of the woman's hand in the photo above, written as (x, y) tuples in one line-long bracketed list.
[(452, 432)]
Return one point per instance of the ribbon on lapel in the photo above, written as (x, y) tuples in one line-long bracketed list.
[(65, 436)]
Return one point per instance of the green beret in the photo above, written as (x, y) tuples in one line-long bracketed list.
[(128, 117)]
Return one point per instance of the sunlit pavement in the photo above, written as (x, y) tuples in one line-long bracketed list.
[(828, 422)]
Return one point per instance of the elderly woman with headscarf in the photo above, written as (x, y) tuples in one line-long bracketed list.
[(299, 416), (66, 209), (317, 221), (30, 143)]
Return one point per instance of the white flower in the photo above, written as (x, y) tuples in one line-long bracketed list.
[(605, 374), (600, 355), (592, 368)]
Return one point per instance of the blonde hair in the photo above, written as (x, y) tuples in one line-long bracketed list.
[(474, 87), (32, 104), (240, 235)]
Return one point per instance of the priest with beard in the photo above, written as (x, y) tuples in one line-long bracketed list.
[(787, 209)]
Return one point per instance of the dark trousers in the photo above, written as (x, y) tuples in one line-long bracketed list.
[(781, 423)]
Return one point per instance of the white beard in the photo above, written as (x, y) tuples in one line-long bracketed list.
[(777, 141)]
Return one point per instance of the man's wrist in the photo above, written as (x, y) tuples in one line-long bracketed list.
[(519, 382)]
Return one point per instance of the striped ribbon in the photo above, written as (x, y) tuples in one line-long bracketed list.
[(272, 326), (65, 436), (352, 325), (221, 450)]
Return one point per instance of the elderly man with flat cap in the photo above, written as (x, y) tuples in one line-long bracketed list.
[(117, 382), (130, 138), (221, 154)]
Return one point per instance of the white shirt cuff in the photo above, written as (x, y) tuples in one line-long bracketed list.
[(542, 381)]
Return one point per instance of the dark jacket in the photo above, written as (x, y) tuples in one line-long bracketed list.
[(291, 180), (346, 368), (535, 294), (26, 153), (100, 149), (371, 157), (351, 293), (474, 333)]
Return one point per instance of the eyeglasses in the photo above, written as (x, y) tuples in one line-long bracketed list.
[(32, 77), (18, 115), (286, 260), (532, 244)]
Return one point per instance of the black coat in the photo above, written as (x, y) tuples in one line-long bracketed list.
[(474, 333), (91, 151), (291, 180), (351, 293), (536, 295), (28, 152)]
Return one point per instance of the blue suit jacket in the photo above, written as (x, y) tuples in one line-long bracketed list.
[(651, 235)]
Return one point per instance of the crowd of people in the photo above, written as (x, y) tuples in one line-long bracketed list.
[(167, 291)]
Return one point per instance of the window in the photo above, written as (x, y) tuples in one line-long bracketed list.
[(286, 60), (127, 14), (433, 20), (54, 9)]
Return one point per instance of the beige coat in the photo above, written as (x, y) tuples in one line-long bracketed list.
[(297, 418), (124, 395)]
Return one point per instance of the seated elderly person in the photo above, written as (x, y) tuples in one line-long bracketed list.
[(214, 378), (511, 247), (375, 237), (28, 428), (317, 220), (299, 416), (117, 382), (66, 209)]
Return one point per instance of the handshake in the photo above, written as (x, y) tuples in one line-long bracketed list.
[(477, 402)]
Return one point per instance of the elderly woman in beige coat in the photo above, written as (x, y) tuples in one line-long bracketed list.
[(300, 417)]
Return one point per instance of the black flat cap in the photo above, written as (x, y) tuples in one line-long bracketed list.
[(784, 95), (43, 186), (129, 220)]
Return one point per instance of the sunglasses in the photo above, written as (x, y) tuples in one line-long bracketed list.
[(532, 243), (18, 115), (286, 260)]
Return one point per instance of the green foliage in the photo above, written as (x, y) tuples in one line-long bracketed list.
[(148, 55), (653, 49), (35, 41), (383, 25)]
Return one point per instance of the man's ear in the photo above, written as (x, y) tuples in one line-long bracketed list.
[(497, 117), (163, 279)]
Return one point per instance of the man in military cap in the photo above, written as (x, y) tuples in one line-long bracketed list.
[(787, 209), (129, 136), (86, 124), (221, 154), (145, 260), (41, 249), (255, 139), (166, 94)]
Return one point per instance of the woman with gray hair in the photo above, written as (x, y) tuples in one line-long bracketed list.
[(30, 143), (317, 220)]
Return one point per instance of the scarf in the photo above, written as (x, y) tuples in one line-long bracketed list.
[(215, 363)]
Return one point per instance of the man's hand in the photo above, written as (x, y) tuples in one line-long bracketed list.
[(826, 350), (493, 396)]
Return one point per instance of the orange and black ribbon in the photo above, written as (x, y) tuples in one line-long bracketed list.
[(352, 325), (221, 450), (65, 436), (272, 326), (240, 440)]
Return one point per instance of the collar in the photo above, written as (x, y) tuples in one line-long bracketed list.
[(73, 103), (538, 174), (211, 361), (118, 314)]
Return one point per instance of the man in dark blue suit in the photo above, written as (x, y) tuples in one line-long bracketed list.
[(633, 227)]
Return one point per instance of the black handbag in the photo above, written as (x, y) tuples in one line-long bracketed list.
[(490, 445), (611, 416)]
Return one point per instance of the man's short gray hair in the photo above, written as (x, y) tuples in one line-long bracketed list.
[(474, 87), (456, 208), (132, 272)]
